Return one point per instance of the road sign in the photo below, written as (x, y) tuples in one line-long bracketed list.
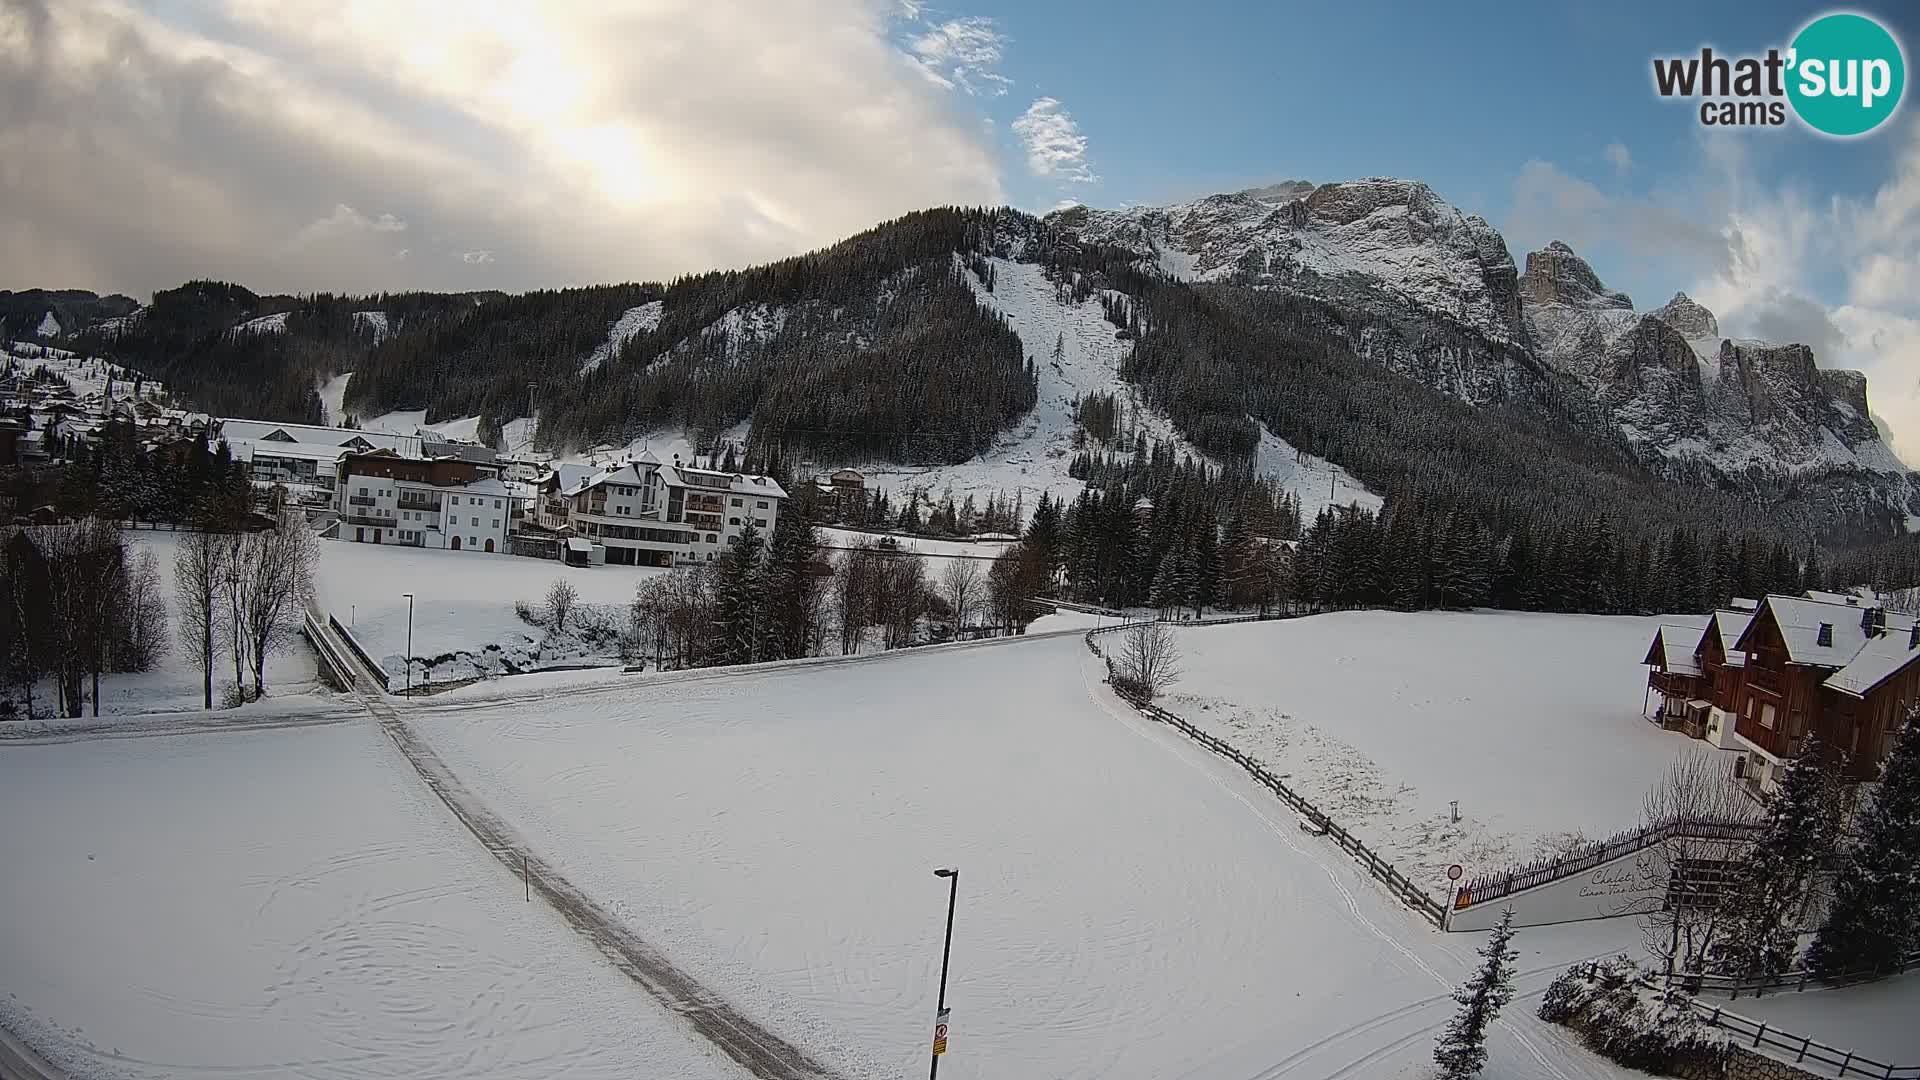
[(940, 1033), (1454, 872)]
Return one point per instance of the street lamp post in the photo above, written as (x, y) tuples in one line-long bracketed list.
[(409, 597), (952, 874)]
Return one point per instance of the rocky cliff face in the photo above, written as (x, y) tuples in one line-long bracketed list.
[(1438, 284), (1445, 304)]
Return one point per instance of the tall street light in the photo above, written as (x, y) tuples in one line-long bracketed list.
[(952, 874), (409, 597)]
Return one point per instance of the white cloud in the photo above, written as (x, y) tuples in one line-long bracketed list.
[(476, 258), (1619, 157), (963, 53), (1055, 146), (585, 140)]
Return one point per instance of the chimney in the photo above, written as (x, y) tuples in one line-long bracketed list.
[(1873, 621), (1825, 636)]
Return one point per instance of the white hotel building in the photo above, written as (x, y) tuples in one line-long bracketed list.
[(445, 502), (646, 513)]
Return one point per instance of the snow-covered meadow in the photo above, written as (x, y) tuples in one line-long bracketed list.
[(463, 604), (1129, 906), (289, 903), (1383, 719)]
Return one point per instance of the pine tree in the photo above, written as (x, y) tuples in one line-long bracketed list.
[(1874, 921), (1764, 901), (738, 603), (1462, 1050), (790, 590)]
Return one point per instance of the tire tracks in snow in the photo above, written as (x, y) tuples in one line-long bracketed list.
[(755, 1048)]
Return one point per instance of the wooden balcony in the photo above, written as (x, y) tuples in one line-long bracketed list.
[(1766, 679), (1676, 684)]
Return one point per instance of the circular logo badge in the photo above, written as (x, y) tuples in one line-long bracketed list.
[(1848, 74)]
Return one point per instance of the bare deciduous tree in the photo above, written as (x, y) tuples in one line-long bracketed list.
[(1149, 659), (199, 574), (1698, 788), (855, 582), (963, 582), (280, 562), (561, 597), (145, 616)]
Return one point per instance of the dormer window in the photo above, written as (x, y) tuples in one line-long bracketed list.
[(1824, 638)]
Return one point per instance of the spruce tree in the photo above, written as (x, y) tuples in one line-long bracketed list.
[(1874, 921), (1462, 1050), (738, 603), (1768, 891), (789, 591)]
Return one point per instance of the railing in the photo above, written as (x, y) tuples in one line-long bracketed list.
[(369, 519), (361, 500), (1765, 679), (1405, 891), (419, 504), (1488, 887), (1798, 979), (353, 644)]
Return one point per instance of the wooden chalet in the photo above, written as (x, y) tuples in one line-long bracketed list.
[(1843, 670)]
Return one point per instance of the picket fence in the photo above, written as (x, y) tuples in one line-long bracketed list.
[(1311, 816)]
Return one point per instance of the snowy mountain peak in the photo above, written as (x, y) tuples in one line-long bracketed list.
[(1684, 314), (1555, 275)]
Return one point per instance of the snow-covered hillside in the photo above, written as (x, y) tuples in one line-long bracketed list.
[(375, 323), (265, 324), (333, 397), (1075, 353), (49, 327), (634, 322)]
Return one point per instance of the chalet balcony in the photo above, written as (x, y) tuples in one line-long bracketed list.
[(418, 503), (369, 519), (361, 500), (1767, 680), (1675, 684)]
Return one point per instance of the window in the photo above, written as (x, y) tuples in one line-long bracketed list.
[(760, 522), (496, 523), (712, 539), (733, 521), (736, 502), (476, 523), (762, 504), (1766, 717), (456, 500), (496, 504), (363, 491), (473, 542)]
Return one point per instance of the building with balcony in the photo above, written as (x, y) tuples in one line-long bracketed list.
[(1840, 669), (449, 503), (646, 513)]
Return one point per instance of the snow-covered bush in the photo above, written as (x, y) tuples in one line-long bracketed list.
[(1635, 1025)]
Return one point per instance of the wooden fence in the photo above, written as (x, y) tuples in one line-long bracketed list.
[(1493, 886), (1759, 1035), (1429, 908), (1797, 980)]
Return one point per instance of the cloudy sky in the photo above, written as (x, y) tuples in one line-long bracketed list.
[(363, 145)]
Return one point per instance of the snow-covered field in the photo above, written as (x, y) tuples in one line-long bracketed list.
[(289, 903), (1532, 722), (1875, 1020), (463, 603), (175, 684), (936, 554), (1129, 906)]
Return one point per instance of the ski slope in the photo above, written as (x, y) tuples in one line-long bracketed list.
[(1531, 721), (290, 903), (1129, 906)]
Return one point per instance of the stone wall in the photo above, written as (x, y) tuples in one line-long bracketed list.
[(1745, 1064)]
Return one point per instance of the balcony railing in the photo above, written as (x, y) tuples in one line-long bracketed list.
[(419, 504), (369, 519), (1765, 679), (361, 500)]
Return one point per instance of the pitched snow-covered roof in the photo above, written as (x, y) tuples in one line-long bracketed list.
[(248, 450), (571, 479), (1730, 625), (1677, 644), (238, 431), (1881, 658), (1800, 619), (1741, 603)]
